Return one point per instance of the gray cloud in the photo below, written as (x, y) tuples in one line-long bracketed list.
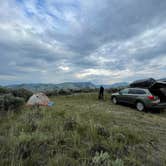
[(58, 41)]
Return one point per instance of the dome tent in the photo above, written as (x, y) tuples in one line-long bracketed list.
[(39, 99)]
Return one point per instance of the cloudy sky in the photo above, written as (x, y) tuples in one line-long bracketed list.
[(102, 41)]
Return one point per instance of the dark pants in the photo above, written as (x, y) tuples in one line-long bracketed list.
[(101, 95)]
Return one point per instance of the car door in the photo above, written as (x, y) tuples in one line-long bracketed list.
[(132, 96), (123, 95)]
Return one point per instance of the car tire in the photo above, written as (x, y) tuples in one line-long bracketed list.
[(140, 106), (114, 100)]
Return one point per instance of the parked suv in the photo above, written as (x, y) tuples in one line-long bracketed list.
[(139, 97)]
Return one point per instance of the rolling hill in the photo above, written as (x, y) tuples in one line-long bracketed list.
[(68, 85), (115, 85), (162, 79)]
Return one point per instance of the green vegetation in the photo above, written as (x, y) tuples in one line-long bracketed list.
[(23, 93), (54, 87), (80, 130), (9, 103), (13, 99)]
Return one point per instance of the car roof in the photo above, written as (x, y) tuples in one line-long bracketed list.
[(138, 88)]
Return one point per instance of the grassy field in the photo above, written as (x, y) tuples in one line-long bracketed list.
[(80, 130)]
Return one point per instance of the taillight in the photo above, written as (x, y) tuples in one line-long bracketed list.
[(151, 97)]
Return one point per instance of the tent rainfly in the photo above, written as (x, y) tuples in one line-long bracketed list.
[(38, 99)]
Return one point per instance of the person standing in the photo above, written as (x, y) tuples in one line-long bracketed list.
[(101, 93)]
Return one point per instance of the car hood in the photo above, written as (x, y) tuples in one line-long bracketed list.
[(115, 94)]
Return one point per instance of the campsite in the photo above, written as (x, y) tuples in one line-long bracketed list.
[(82, 82), (79, 129)]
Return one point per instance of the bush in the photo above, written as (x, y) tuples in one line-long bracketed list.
[(52, 93), (102, 131), (4, 90), (64, 92), (104, 159), (98, 148), (16, 92), (70, 124), (118, 162), (9, 102), (88, 90), (101, 159), (25, 94)]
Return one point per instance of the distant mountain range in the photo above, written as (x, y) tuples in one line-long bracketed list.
[(34, 87), (50, 87), (162, 79), (116, 85), (66, 85)]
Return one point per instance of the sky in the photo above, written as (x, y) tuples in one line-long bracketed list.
[(101, 41)]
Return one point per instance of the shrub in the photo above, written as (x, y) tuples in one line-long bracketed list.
[(64, 92), (22, 93), (101, 159), (97, 148), (4, 90), (118, 162), (70, 124), (102, 131), (52, 93), (9, 102), (16, 92), (104, 159)]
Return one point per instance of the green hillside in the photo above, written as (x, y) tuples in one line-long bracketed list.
[(80, 130)]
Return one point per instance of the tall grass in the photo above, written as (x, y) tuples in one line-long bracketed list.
[(79, 130)]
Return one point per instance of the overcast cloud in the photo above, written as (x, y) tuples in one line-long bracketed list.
[(103, 41)]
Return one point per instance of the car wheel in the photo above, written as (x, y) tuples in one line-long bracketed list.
[(140, 106), (114, 100)]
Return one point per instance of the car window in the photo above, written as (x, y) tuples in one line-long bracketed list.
[(136, 91), (140, 92), (132, 91), (163, 90), (124, 91)]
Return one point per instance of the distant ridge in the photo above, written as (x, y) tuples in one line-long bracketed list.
[(50, 87), (34, 87), (162, 79), (68, 85), (115, 85)]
